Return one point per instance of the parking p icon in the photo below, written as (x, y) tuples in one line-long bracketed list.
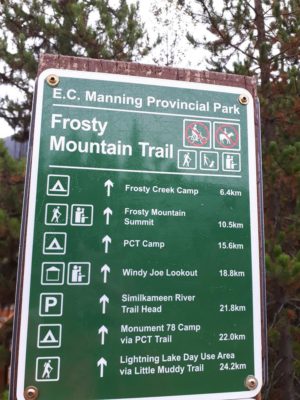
[(51, 304)]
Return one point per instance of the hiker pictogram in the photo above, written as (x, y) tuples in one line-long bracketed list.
[(197, 134), (47, 369), (187, 159), (226, 136), (56, 214)]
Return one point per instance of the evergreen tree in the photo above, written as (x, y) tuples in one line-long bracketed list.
[(91, 28), (170, 27), (11, 195), (262, 38)]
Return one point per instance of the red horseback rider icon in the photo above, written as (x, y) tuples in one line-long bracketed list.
[(227, 136)]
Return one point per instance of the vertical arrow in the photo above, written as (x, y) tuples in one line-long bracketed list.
[(102, 332), (101, 364), (106, 240), (105, 270), (107, 212), (104, 300), (108, 185)]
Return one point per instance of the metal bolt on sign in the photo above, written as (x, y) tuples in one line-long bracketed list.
[(52, 80), (251, 382), (31, 393), (243, 99)]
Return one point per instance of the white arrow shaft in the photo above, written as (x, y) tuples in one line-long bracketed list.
[(108, 190), (101, 370), (102, 337), (106, 246), (107, 218), (103, 307), (105, 276)]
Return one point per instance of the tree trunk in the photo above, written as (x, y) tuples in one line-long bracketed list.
[(286, 354), (264, 61)]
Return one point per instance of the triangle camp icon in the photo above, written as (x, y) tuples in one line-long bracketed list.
[(49, 338), (58, 187), (54, 245)]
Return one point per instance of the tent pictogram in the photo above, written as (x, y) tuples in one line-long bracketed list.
[(54, 243), (49, 336), (58, 185)]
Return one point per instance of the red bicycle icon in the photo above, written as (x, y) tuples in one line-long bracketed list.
[(197, 134)]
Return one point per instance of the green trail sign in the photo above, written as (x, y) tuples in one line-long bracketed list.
[(141, 266)]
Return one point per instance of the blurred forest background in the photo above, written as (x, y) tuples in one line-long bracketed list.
[(255, 37)]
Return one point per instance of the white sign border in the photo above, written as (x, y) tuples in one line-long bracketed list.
[(254, 216)]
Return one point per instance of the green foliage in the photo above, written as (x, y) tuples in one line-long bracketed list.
[(11, 193), (4, 395), (89, 28), (4, 356), (283, 279)]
